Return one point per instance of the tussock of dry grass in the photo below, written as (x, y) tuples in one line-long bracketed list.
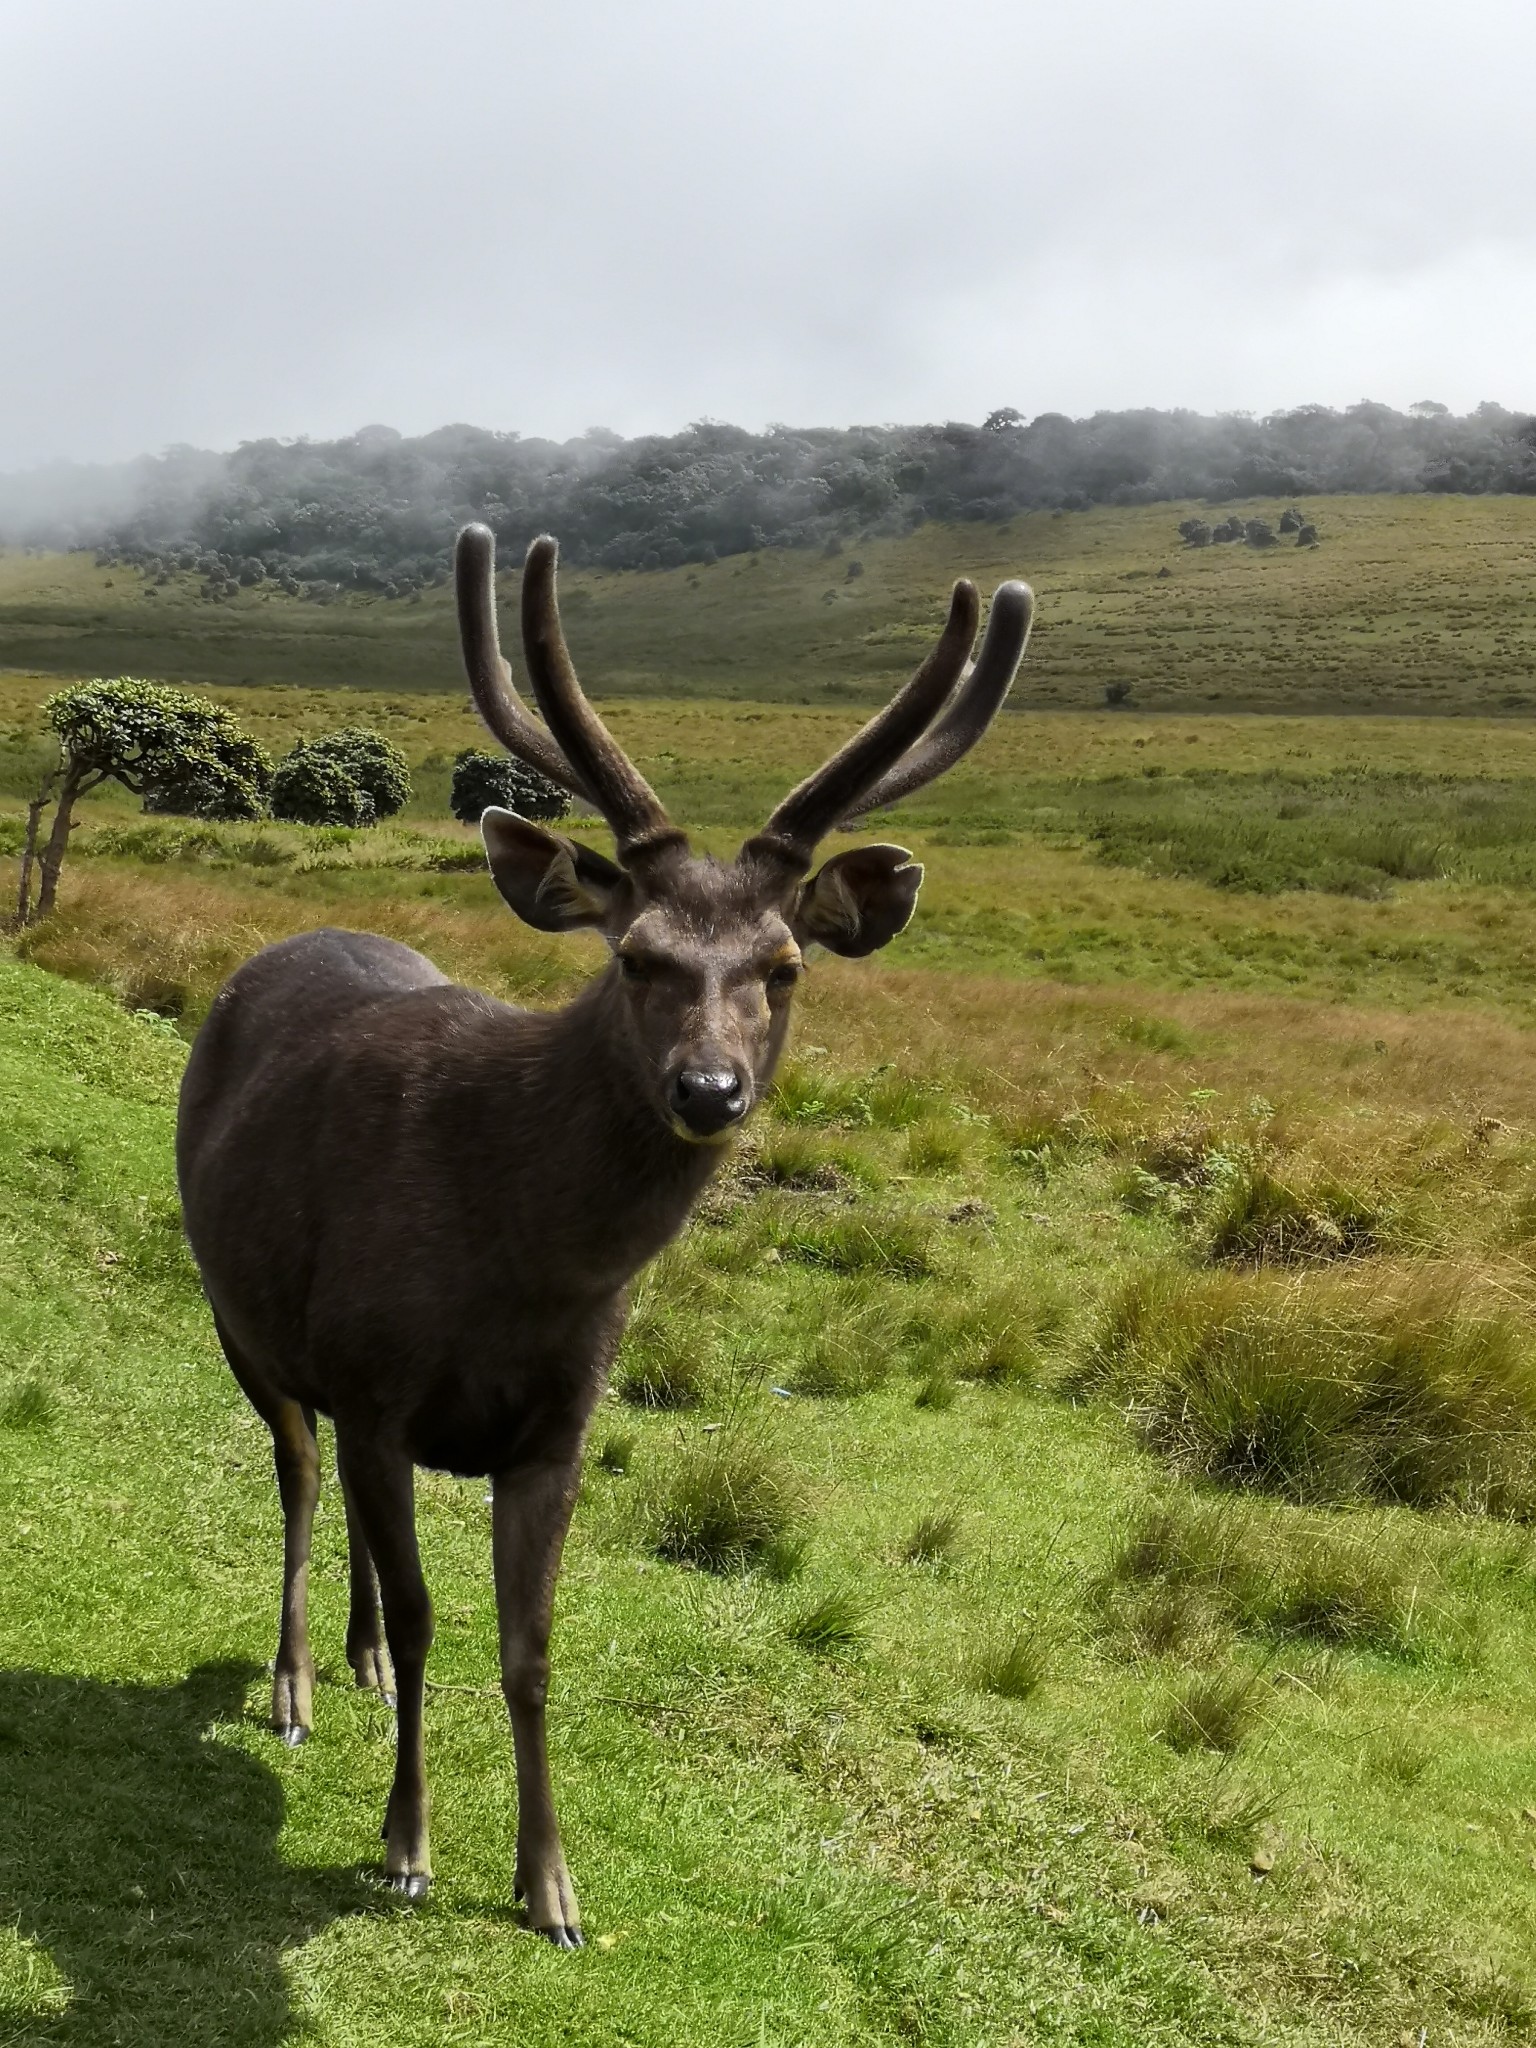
[(1327, 1386)]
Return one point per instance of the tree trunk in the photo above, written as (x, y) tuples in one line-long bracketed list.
[(35, 810), (58, 844)]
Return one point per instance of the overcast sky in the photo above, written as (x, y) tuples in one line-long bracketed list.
[(222, 222)]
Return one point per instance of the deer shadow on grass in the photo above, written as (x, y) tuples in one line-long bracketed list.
[(140, 1852)]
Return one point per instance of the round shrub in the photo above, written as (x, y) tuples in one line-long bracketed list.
[(314, 788), (480, 780), (350, 777)]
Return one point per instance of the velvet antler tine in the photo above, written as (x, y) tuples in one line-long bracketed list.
[(621, 792), (810, 811), (975, 704), (490, 679)]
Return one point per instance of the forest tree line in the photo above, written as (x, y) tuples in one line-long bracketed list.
[(378, 510)]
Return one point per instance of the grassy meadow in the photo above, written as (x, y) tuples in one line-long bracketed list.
[(1056, 1561), (1407, 604)]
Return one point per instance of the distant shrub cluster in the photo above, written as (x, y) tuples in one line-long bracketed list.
[(1257, 533), (378, 511), (190, 758)]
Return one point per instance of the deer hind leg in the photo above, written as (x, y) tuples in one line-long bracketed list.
[(530, 1515), (380, 1485), (296, 1455), (367, 1651)]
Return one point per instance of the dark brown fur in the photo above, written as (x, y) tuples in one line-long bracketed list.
[(417, 1210)]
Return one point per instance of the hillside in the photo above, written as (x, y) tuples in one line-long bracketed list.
[(1409, 604)]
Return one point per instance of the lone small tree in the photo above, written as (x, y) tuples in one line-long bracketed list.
[(176, 751), (480, 780), (350, 777)]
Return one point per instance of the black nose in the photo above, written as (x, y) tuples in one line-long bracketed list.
[(708, 1099)]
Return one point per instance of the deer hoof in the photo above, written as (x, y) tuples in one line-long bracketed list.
[(561, 1937), (413, 1884), (293, 1733)]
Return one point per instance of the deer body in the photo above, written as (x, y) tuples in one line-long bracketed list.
[(417, 1210)]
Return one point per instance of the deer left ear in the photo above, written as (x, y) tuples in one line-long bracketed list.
[(859, 901)]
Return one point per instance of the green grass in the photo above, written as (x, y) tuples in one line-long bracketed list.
[(828, 1794)]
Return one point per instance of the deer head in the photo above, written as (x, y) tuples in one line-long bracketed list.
[(707, 954)]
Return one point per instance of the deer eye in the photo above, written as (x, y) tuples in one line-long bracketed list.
[(633, 968), (784, 977)]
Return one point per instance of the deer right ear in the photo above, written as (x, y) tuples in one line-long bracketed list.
[(553, 883)]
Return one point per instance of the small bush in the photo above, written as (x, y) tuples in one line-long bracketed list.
[(726, 1504), (350, 777), (481, 780), (1216, 1710), (839, 1621), (935, 1540)]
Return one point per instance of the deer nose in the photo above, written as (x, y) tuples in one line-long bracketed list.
[(708, 1099)]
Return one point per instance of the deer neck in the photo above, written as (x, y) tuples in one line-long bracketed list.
[(614, 1181)]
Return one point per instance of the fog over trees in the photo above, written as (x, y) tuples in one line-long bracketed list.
[(378, 511)]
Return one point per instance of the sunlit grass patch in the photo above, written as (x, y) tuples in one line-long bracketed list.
[(885, 1099), (997, 1332)]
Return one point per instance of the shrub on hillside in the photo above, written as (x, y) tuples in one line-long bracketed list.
[(350, 777), (481, 779)]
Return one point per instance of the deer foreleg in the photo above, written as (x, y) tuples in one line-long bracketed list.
[(381, 1487), (531, 1513), (297, 1457)]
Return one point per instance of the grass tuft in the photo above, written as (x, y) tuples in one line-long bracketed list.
[(1214, 1710), (27, 1407), (837, 1622), (1015, 1668), (617, 1455), (1320, 1388), (936, 1538), (726, 1505)]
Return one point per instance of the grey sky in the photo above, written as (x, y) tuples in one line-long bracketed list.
[(222, 221)]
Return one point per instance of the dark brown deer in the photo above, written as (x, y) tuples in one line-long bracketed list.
[(417, 1210)]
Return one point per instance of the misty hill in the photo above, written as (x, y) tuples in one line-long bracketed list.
[(1413, 603), (377, 511)]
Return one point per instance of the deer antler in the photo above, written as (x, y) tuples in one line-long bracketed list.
[(810, 811), (974, 706), (625, 798), (490, 679), (573, 748)]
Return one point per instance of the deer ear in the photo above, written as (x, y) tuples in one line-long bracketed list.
[(859, 901), (552, 883)]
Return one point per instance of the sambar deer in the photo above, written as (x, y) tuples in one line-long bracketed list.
[(417, 1209)]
